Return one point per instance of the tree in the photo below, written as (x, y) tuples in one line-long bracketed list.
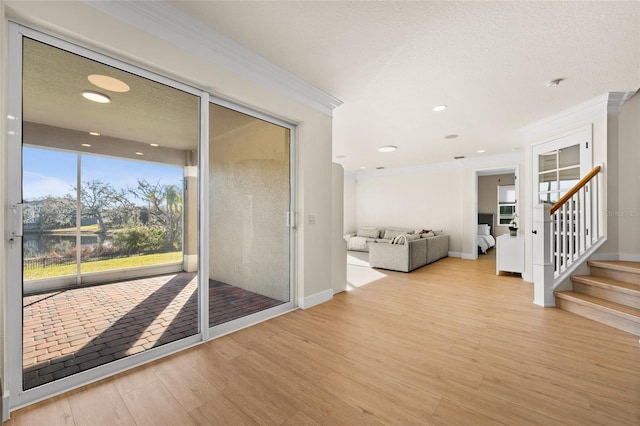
[(56, 212), (97, 198), (164, 208)]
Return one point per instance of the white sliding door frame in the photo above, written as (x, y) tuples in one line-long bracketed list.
[(228, 327), (17, 396)]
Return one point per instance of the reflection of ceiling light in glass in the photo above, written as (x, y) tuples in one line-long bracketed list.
[(154, 144), (11, 117), (11, 132), (86, 144), (387, 148), (439, 108), (108, 83), (139, 153), (94, 133), (96, 97)]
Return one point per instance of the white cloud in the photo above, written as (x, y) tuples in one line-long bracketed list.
[(37, 185)]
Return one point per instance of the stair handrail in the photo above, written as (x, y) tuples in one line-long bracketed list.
[(573, 191), (565, 235)]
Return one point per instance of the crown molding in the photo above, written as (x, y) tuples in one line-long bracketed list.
[(165, 22), (603, 105)]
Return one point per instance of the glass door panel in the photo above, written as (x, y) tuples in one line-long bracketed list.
[(49, 223), (249, 239), (131, 214), (110, 260)]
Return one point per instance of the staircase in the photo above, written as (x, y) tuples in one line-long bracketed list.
[(610, 295)]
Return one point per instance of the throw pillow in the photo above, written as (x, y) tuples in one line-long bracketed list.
[(390, 234), (484, 229), (368, 232)]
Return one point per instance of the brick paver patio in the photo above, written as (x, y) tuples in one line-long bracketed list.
[(77, 329)]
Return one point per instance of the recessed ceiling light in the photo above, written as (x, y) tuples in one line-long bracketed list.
[(11, 132), (387, 148), (452, 136), (108, 83), (481, 151), (86, 144), (554, 83), (139, 153), (154, 144), (362, 167), (96, 97), (439, 108), (94, 133)]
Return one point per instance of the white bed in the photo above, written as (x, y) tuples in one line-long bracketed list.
[(485, 242), (485, 237)]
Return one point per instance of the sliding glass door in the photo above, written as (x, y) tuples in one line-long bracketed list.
[(250, 229), (127, 192), (108, 234)]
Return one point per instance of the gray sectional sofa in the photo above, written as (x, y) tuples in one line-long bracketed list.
[(412, 251)]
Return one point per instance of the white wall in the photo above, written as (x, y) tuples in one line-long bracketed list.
[(429, 198), (350, 195), (339, 245), (626, 214)]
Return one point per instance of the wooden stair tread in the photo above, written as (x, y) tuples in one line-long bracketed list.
[(608, 283), (595, 302), (616, 265)]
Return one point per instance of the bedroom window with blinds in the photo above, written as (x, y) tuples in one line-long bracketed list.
[(507, 204)]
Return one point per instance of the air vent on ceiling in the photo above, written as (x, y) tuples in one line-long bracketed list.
[(379, 167), (459, 157)]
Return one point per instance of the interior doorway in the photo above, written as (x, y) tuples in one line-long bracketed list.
[(497, 208)]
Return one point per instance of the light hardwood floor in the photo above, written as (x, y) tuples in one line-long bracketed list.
[(450, 343)]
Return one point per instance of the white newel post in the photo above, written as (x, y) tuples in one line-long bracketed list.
[(543, 274)]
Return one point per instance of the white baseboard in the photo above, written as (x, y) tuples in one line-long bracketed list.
[(628, 257), (5, 407), (468, 256), (315, 299), (454, 254)]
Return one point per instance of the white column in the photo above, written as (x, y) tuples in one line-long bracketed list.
[(543, 256)]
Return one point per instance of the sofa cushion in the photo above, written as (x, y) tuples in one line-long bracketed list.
[(368, 232)]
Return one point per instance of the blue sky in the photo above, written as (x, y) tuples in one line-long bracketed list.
[(53, 173)]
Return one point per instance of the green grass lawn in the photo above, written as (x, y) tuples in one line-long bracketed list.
[(104, 265)]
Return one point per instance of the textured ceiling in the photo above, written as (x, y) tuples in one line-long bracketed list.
[(391, 62)]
